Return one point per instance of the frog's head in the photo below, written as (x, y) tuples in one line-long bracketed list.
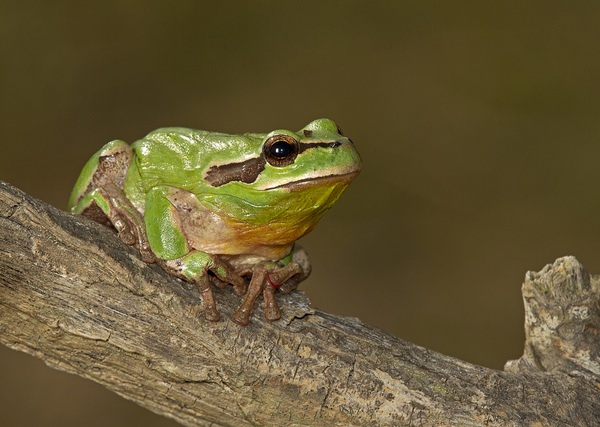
[(289, 182), (317, 155)]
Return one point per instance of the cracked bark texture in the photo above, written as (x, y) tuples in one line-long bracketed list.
[(74, 296)]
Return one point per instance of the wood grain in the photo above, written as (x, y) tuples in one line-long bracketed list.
[(74, 296)]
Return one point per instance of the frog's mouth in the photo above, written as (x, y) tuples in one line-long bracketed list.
[(324, 180)]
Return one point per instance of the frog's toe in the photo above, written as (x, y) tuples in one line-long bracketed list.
[(241, 316), (272, 311), (125, 232), (147, 254), (211, 313), (210, 306)]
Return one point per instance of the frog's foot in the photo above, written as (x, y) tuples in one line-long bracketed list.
[(201, 278), (267, 277), (206, 271)]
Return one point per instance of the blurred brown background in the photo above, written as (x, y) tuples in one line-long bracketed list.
[(477, 123)]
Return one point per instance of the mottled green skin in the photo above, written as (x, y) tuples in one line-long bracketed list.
[(189, 218)]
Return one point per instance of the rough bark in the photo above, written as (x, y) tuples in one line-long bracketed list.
[(73, 295)]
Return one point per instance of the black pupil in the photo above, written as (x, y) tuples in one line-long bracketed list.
[(280, 149)]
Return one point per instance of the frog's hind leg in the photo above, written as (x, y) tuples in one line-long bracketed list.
[(99, 195), (125, 218), (109, 165)]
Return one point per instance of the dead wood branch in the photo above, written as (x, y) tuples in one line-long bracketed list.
[(73, 295)]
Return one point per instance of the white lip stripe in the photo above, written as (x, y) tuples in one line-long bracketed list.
[(334, 172)]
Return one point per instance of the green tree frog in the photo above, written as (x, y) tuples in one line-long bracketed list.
[(218, 209)]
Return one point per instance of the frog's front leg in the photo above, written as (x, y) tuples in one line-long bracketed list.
[(196, 267), (169, 242), (267, 277)]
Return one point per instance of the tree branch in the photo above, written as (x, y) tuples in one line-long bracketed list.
[(73, 295)]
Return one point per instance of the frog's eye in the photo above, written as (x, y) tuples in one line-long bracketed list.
[(280, 150)]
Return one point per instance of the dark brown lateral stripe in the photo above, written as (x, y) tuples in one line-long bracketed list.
[(248, 170)]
